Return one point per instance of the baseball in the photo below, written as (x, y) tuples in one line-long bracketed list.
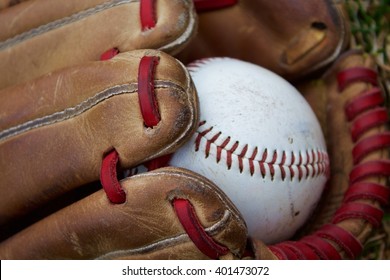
[(260, 142)]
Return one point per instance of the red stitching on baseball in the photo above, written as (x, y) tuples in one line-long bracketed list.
[(315, 163), (241, 156), (199, 137), (282, 163), (212, 140), (222, 147), (229, 155), (251, 161)]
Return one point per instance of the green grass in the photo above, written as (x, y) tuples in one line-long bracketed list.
[(370, 25), (370, 28)]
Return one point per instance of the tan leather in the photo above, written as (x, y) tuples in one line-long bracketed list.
[(55, 130), (8, 3), (143, 227), (39, 36), (261, 251), (291, 38)]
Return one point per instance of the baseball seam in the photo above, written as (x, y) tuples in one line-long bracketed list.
[(303, 164)]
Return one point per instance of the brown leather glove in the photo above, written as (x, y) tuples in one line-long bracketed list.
[(291, 38), (64, 203), (69, 121), (39, 36)]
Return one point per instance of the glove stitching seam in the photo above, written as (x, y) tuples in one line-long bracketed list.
[(80, 108), (62, 22), (212, 230)]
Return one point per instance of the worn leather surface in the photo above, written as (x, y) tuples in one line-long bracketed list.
[(8, 3), (48, 146), (34, 41), (143, 227), (290, 37)]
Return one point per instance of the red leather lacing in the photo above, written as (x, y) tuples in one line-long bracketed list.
[(148, 14), (207, 5), (356, 74), (364, 112), (147, 98), (190, 222), (148, 21), (109, 178), (151, 117), (109, 54)]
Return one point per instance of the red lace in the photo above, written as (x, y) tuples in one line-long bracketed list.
[(109, 54), (148, 14), (364, 112), (148, 20), (191, 224), (207, 5)]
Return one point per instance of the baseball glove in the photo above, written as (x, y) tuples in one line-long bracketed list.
[(290, 38), (81, 101), (72, 115)]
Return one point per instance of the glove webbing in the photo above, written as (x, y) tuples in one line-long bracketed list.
[(365, 111)]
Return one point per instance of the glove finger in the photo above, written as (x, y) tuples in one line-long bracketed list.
[(44, 35), (291, 38), (56, 132), (146, 226)]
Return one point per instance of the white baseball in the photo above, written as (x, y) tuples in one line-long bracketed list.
[(260, 142)]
